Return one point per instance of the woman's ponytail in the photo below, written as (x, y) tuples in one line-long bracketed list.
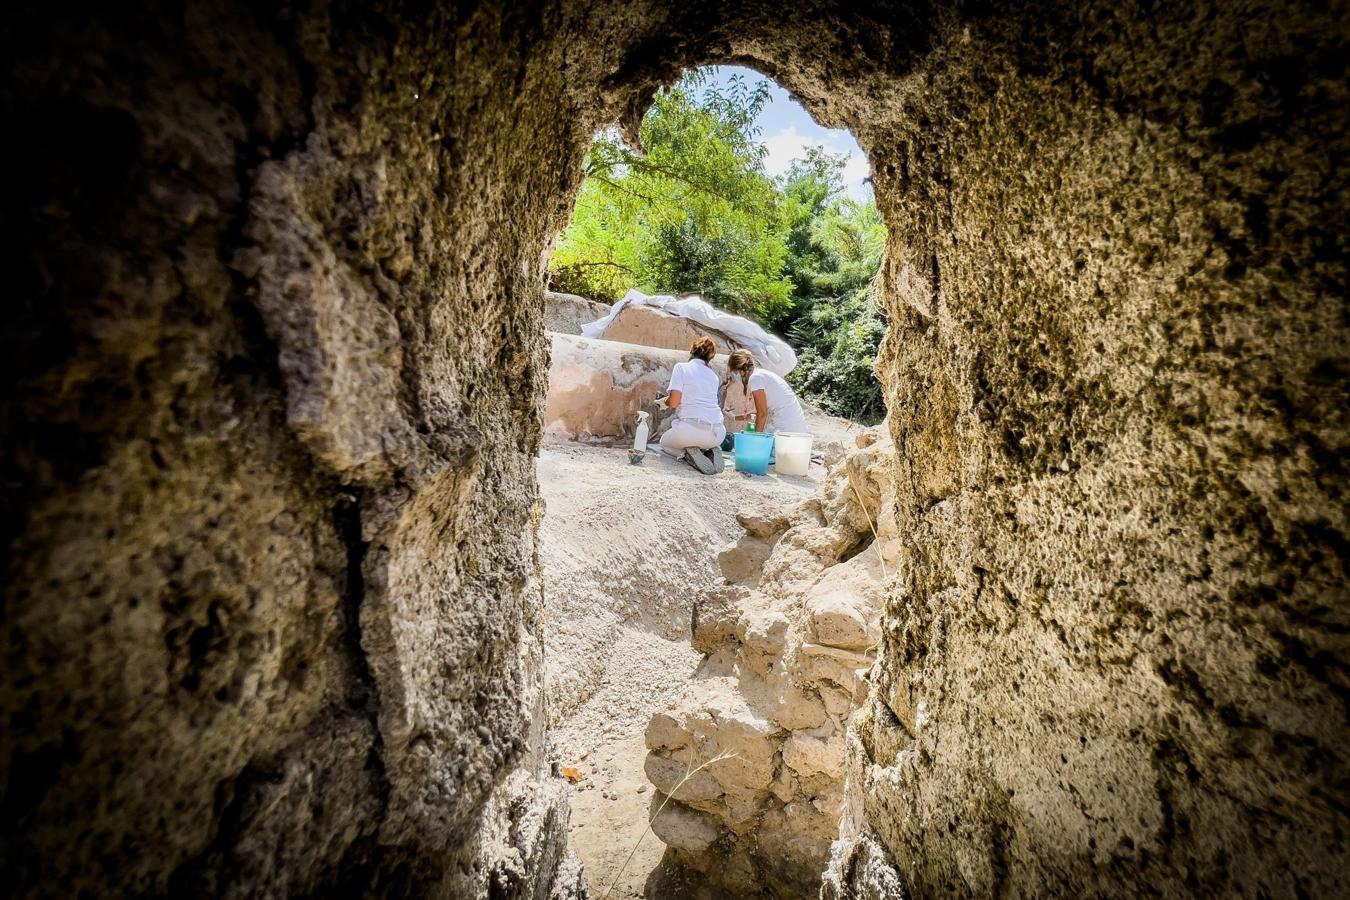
[(742, 361)]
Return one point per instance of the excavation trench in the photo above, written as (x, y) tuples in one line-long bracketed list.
[(626, 552)]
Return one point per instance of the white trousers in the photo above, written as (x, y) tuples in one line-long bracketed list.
[(685, 433)]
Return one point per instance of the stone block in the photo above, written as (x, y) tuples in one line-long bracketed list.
[(680, 780), (836, 621), (686, 829), (815, 756), (665, 733)]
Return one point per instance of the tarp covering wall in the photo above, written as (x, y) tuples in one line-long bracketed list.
[(771, 353)]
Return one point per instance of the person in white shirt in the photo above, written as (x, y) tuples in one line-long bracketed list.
[(776, 406), (697, 431)]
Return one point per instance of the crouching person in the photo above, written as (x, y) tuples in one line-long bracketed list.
[(776, 405), (697, 431)]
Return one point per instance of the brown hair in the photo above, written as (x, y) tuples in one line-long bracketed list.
[(742, 362), (703, 348)]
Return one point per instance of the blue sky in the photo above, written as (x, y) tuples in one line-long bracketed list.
[(787, 129)]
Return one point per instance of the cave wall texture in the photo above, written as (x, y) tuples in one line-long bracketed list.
[(273, 374), (1116, 375)]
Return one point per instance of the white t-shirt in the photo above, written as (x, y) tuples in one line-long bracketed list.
[(785, 413), (698, 386)]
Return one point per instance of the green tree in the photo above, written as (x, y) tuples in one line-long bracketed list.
[(694, 213), (810, 186), (852, 233), (840, 330)]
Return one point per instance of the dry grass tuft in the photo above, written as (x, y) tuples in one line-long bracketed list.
[(689, 773)]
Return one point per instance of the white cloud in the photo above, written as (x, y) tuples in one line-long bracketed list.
[(783, 148), (855, 170), (789, 144)]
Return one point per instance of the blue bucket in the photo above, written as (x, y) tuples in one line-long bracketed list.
[(753, 451)]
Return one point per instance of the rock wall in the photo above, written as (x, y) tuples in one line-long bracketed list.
[(273, 378), (595, 388), (1114, 662), (273, 372), (566, 313), (749, 760), (1116, 374)]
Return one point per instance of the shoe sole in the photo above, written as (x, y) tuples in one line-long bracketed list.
[(699, 461)]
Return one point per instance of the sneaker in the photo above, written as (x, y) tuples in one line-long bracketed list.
[(699, 460), (718, 463)]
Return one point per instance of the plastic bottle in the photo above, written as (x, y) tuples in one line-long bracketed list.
[(640, 436), (750, 426)]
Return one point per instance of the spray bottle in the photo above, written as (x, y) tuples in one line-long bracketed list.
[(643, 429), (640, 437)]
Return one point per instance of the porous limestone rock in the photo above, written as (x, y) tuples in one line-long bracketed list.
[(273, 372), (272, 378), (678, 826), (766, 711), (837, 620), (566, 313), (1116, 381), (808, 756)]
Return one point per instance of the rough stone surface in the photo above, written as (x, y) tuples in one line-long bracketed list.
[(838, 619), (687, 829), (652, 327), (566, 313), (596, 387), (273, 375), (765, 714), (1115, 658)]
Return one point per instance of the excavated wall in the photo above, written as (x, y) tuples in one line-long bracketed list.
[(1116, 660), (273, 377), (274, 374)]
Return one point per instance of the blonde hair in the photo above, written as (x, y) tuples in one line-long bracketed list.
[(742, 362)]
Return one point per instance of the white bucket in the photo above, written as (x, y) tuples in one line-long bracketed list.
[(791, 452)]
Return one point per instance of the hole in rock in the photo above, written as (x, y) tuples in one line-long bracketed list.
[(739, 200), (274, 377), (863, 541)]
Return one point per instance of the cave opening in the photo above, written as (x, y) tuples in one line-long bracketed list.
[(735, 196), (730, 193), (273, 619)]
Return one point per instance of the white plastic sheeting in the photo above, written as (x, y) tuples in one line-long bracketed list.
[(770, 352)]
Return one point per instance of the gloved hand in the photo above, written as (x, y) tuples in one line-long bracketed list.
[(663, 402)]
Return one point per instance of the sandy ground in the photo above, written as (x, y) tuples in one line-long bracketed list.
[(625, 550)]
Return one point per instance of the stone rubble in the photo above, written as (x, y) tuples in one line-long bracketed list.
[(750, 759)]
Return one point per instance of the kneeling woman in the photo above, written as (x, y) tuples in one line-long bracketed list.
[(698, 416), (776, 406)]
